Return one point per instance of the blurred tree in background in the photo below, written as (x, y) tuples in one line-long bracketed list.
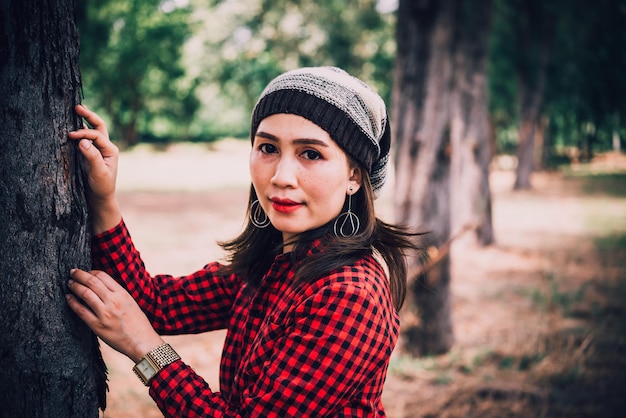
[(258, 39), (132, 69), (442, 146), (556, 90), (586, 89)]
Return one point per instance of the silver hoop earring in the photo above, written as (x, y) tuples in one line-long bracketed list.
[(347, 223), (257, 216)]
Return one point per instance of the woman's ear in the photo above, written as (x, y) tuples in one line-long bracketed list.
[(355, 180)]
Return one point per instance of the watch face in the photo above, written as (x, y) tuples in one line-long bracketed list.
[(146, 369)]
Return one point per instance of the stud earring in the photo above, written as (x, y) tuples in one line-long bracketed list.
[(257, 216), (347, 223)]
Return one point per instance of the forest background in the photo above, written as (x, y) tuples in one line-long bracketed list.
[(164, 71), (549, 337)]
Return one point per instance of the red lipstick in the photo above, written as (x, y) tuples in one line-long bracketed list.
[(284, 205)]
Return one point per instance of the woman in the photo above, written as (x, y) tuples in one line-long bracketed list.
[(311, 315)]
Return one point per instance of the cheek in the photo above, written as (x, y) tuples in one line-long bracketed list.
[(330, 191), (258, 170)]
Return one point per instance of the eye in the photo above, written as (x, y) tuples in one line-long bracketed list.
[(267, 148), (312, 155)]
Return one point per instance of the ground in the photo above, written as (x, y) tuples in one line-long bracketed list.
[(539, 317)]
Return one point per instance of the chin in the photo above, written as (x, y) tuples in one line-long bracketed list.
[(291, 228)]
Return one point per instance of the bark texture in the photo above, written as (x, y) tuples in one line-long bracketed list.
[(51, 363), (442, 146)]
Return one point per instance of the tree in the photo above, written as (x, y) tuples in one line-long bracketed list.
[(439, 103), (586, 88), (470, 131), (131, 61), (51, 363), (556, 79), (534, 33), (267, 37)]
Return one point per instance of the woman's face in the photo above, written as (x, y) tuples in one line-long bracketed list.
[(300, 175)]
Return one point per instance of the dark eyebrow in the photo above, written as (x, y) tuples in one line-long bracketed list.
[(266, 136), (301, 141)]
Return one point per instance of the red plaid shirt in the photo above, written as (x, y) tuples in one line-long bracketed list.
[(321, 349)]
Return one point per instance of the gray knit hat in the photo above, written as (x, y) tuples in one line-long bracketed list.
[(345, 107)]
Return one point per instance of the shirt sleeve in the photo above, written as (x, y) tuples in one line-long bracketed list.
[(337, 346), (195, 303)]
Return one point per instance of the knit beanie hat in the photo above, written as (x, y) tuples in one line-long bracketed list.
[(351, 112)]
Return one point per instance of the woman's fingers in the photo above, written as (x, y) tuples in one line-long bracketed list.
[(98, 281), (109, 310), (89, 288), (98, 133), (92, 118), (100, 154)]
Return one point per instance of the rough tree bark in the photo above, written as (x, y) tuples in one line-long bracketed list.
[(442, 147), (51, 363)]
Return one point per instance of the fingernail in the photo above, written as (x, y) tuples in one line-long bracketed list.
[(70, 282), (85, 144)]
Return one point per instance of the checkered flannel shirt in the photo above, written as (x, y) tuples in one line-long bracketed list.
[(318, 350)]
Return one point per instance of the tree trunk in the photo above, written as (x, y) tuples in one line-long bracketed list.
[(51, 363), (616, 143), (534, 32), (421, 107), (529, 115), (471, 146), (443, 148)]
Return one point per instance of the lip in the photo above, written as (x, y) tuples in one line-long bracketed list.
[(284, 205)]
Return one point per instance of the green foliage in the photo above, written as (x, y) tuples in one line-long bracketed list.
[(585, 87), (588, 86), (501, 70), (272, 36), (131, 66)]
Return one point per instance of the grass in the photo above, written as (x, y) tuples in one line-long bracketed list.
[(606, 184), (554, 298)]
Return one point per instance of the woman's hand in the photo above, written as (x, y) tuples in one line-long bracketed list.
[(111, 313), (101, 157)]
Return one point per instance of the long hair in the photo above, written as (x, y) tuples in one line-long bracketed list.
[(252, 252)]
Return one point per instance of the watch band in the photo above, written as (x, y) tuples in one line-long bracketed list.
[(156, 359), (163, 355)]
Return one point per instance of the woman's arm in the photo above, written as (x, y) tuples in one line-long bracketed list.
[(194, 303)]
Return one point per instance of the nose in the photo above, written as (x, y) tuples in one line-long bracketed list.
[(285, 173)]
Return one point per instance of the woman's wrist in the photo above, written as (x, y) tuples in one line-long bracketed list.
[(105, 215), (145, 347)]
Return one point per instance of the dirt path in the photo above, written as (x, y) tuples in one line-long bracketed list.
[(539, 317)]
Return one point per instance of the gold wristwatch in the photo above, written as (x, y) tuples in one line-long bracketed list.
[(154, 361)]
